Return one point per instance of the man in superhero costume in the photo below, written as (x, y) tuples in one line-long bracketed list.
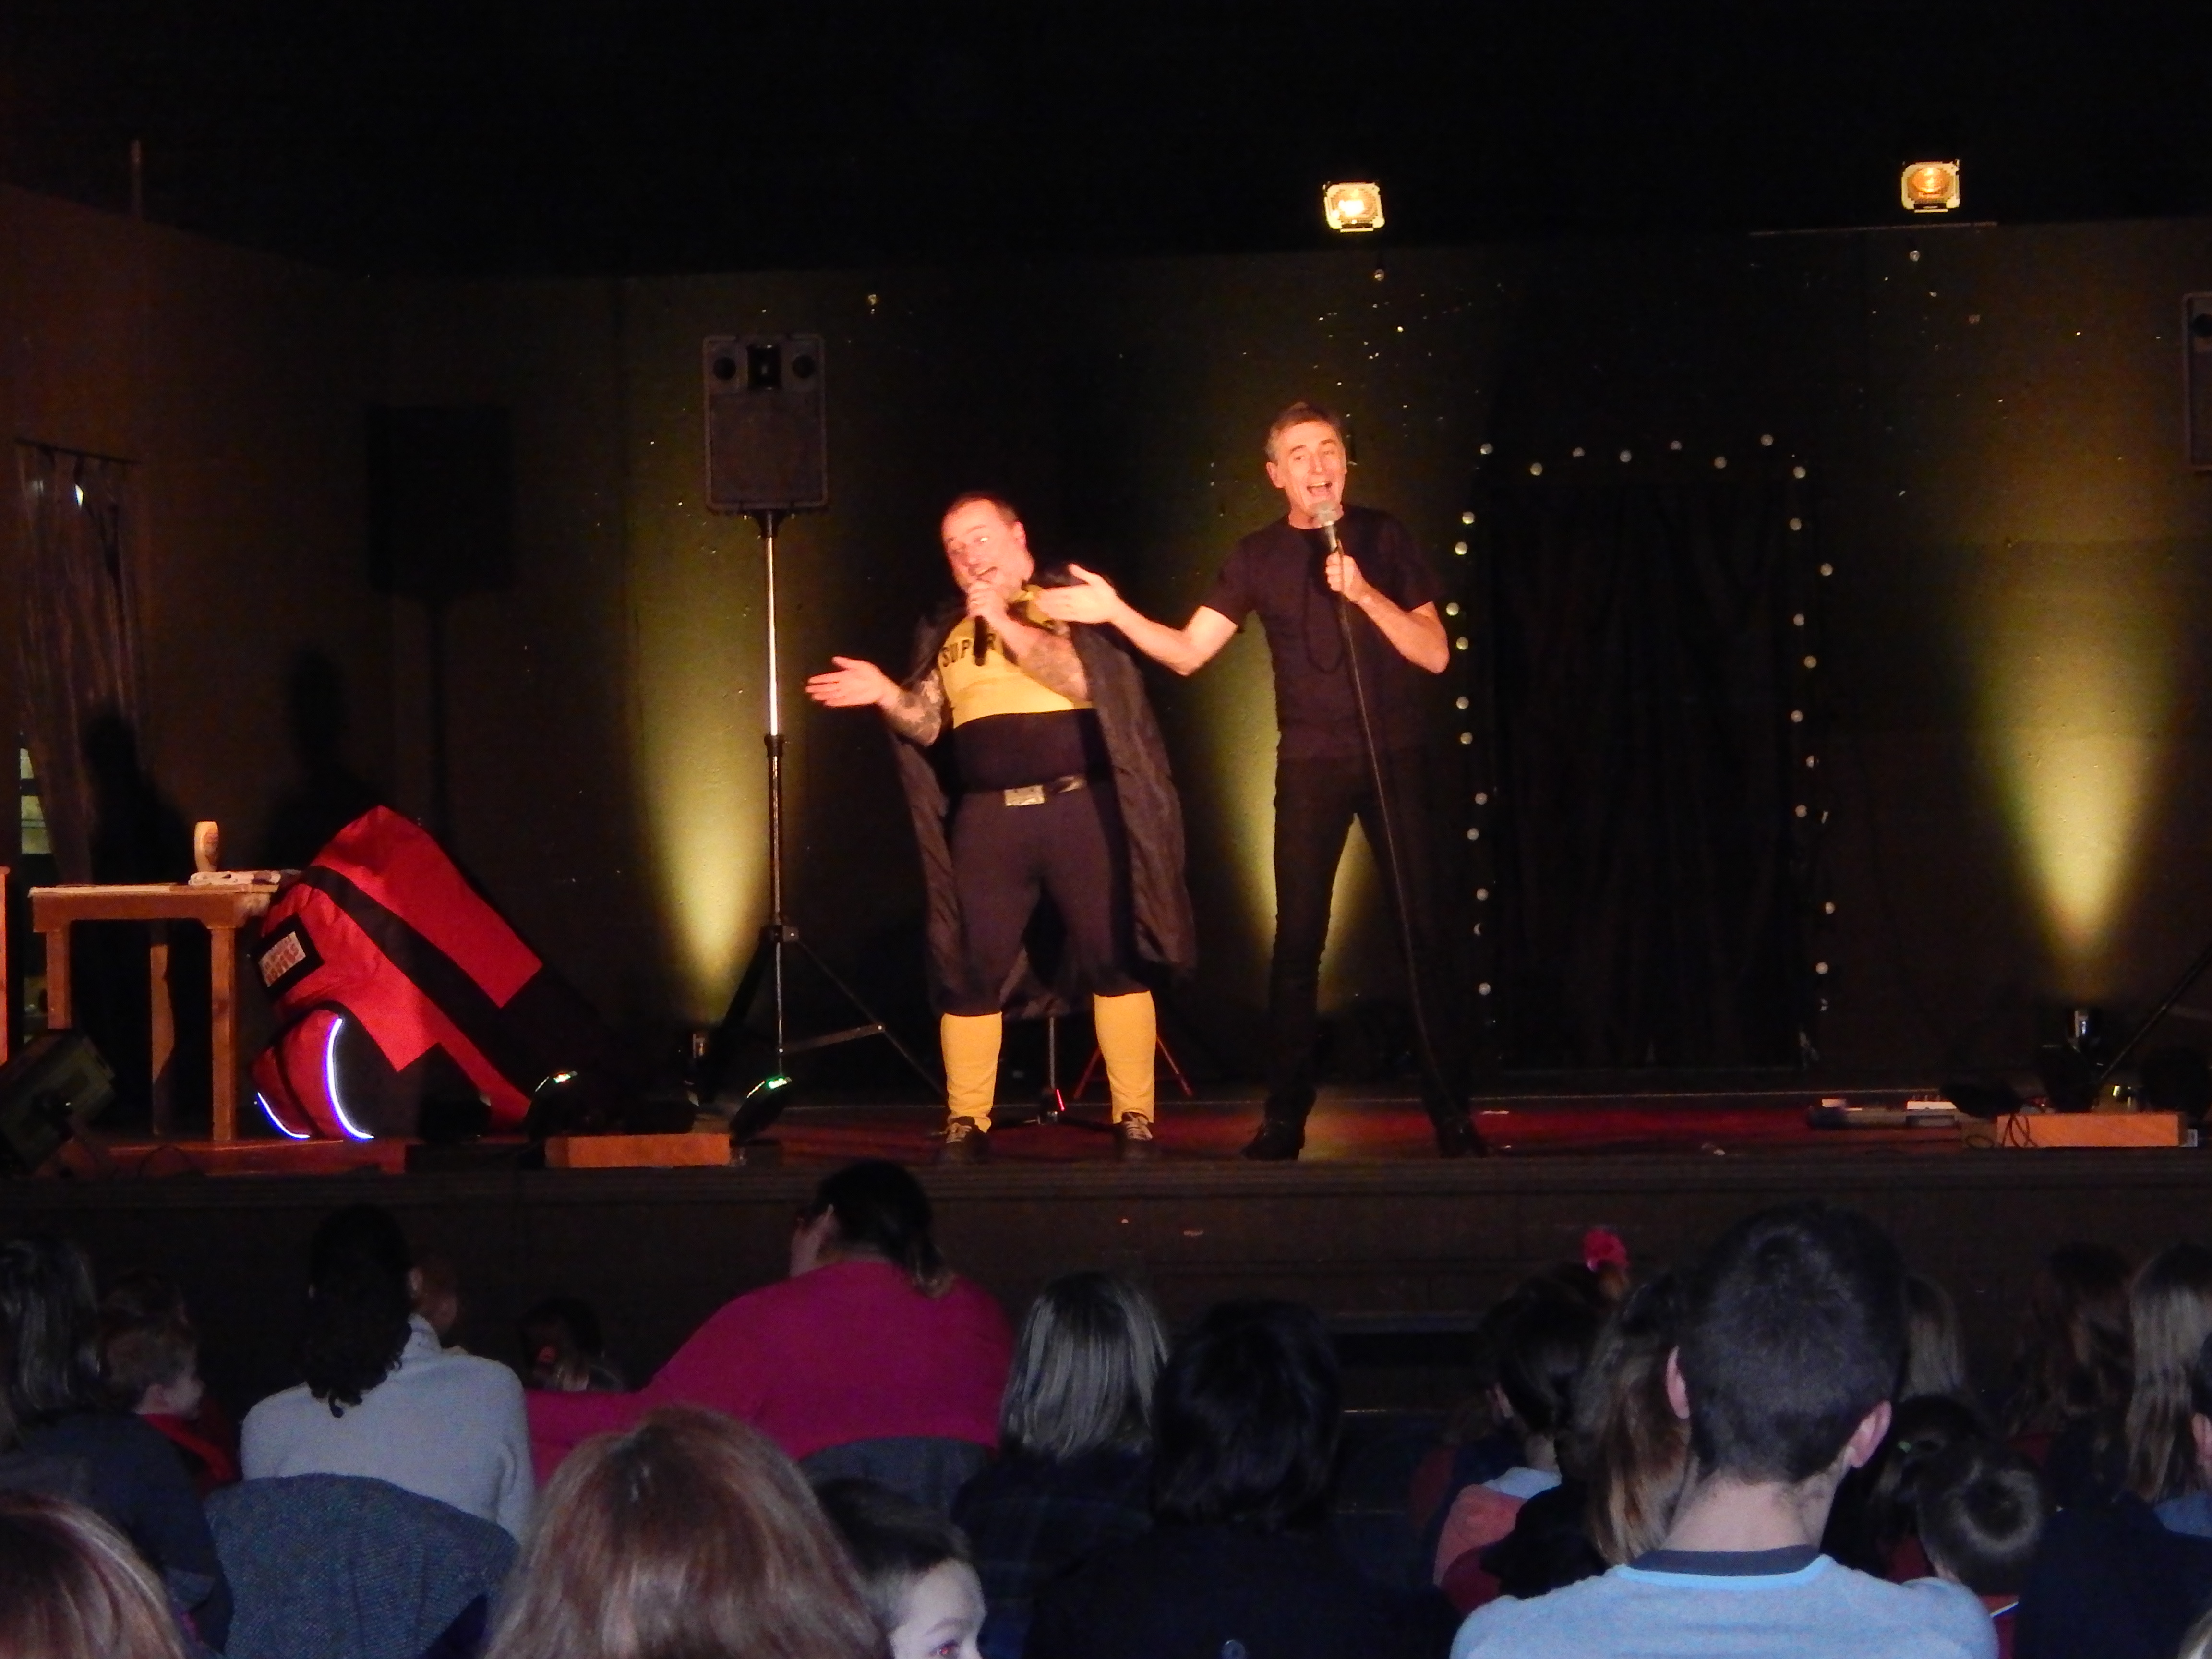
[(1055, 782)]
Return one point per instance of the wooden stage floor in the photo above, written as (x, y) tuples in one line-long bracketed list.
[(1401, 1249)]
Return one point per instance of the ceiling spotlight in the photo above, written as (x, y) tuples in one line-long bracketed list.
[(1353, 207), (1929, 187)]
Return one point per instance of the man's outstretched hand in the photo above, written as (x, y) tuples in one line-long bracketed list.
[(1091, 599), (852, 685)]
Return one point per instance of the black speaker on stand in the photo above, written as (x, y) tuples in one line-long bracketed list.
[(768, 457)]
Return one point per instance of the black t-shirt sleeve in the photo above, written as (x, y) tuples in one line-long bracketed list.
[(1231, 592), (1402, 570)]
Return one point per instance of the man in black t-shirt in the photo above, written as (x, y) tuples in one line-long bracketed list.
[(1324, 775)]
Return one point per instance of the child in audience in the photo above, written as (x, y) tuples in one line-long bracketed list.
[(567, 1353), (1981, 1508), (64, 1411), (1935, 1347), (438, 1298), (2170, 1308), (689, 1533), (72, 1588), (1634, 1451), (916, 1573), (2190, 1512), (2072, 1373), (1874, 1524), (1076, 1446), (151, 1355), (1547, 1342)]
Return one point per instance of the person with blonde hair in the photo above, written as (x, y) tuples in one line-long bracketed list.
[(689, 1533), (2170, 1306), (71, 1587)]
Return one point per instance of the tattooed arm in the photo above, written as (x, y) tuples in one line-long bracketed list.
[(916, 712)]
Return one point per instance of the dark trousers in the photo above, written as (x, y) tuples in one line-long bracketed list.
[(1315, 801), (1069, 847)]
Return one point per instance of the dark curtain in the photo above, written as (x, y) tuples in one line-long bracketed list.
[(1647, 646), (75, 635)]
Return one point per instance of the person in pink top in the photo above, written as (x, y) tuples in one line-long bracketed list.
[(872, 1338)]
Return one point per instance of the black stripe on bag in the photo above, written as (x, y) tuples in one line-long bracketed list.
[(435, 975)]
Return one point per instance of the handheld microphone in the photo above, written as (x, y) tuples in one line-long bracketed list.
[(1325, 514)]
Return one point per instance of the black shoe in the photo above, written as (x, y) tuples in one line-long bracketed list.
[(1276, 1141), (1457, 1137), (1133, 1141), (966, 1141)]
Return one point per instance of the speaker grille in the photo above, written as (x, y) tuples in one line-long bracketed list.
[(768, 444)]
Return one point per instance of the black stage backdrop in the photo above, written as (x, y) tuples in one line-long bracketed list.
[(1653, 651)]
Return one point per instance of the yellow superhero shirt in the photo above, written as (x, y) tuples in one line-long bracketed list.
[(1010, 731), (980, 685)]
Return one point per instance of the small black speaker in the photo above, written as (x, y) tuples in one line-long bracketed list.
[(768, 431), (2196, 363), (47, 1093), (441, 501)]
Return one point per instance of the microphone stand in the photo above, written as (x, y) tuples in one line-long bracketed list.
[(1384, 816)]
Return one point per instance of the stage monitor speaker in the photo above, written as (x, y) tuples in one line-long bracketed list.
[(440, 500), (2197, 361), (47, 1093), (768, 430)]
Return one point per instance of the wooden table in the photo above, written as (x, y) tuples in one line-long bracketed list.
[(222, 910)]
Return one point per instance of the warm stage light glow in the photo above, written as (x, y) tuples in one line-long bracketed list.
[(1353, 207), (1929, 187), (2076, 673), (702, 775)]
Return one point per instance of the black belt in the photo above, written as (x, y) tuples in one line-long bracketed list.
[(1036, 794)]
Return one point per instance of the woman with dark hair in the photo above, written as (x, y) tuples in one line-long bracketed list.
[(2170, 1311), (1245, 1423), (872, 1338), (688, 1534), (1075, 1439), (2072, 1373), (382, 1398), (63, 1410)]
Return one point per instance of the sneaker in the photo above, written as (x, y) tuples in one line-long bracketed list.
[(1276, 1141), (1133, 1141), (966, 1141), (1457, 1137)]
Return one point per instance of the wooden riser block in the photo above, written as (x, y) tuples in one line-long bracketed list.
[(693, 1151), (2045, 1129)]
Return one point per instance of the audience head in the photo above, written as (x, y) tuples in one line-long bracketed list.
[(1627, 1443), (149, 1350), (1935, 1348), (1981, 1512), (1084, 1363), (359, 1302), (561, 1337), (873, 1209), (437, 1286), (690, 1533), (1541, 1355), (916, 1571), (71, 1587), (52, 1326), (1793, 1336), (1875, 1508), (1245, 1419), (2074, 1358), (2170, 1314)]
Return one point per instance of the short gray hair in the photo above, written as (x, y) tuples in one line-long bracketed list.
[(1084, 1363)]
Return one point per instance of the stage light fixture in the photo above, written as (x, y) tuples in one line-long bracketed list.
[(1353, 207), (1929, 187)]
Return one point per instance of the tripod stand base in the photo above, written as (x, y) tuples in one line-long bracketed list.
[(765, 1100)]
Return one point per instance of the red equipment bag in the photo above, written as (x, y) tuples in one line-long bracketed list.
[(399, 984)]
